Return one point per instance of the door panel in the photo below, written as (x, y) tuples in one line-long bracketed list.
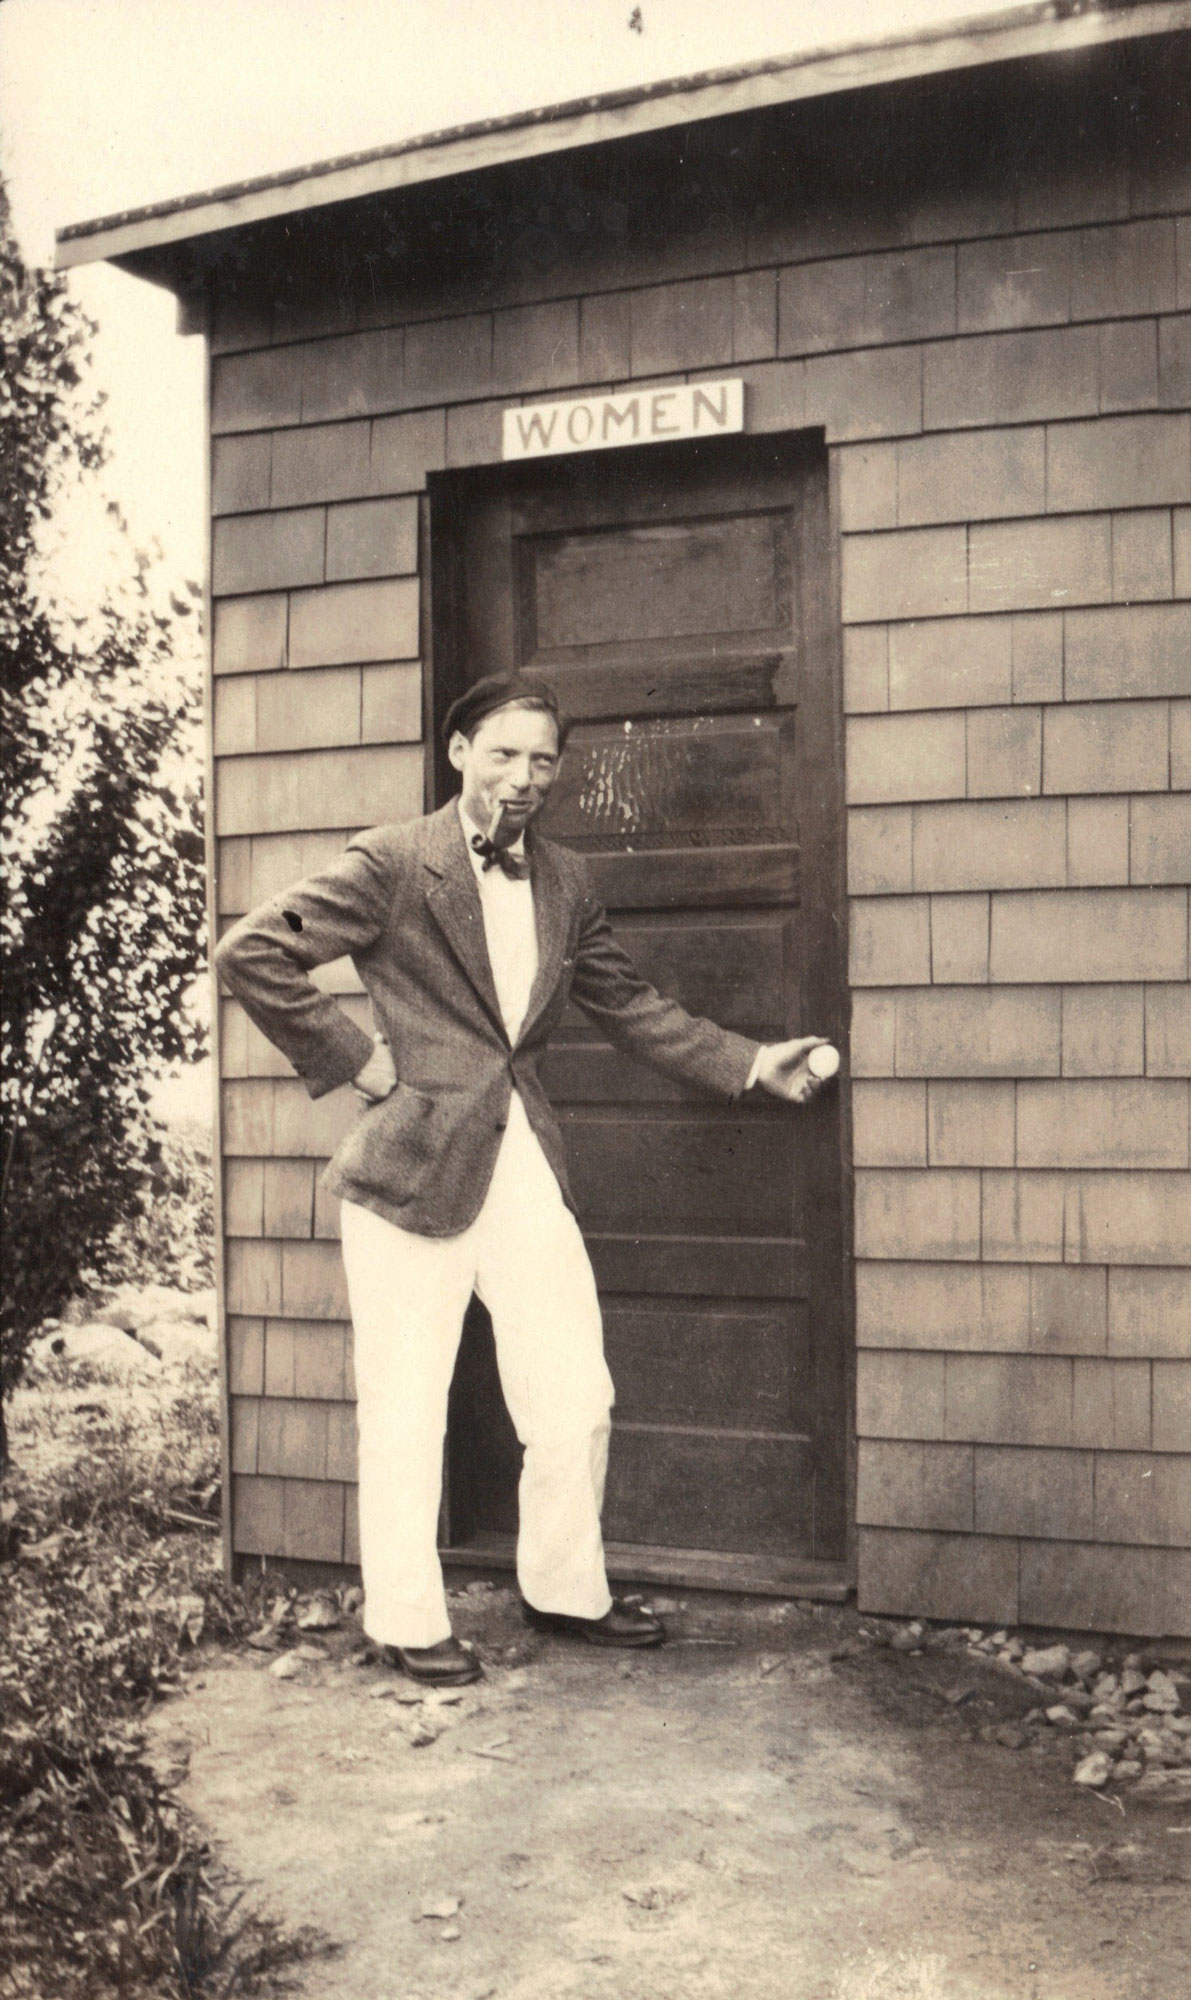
[(672, 783), (703, 1266), (694, 1365), (704, 878), (678, 600), (630, 586), (710, 1490), (694, 1172)]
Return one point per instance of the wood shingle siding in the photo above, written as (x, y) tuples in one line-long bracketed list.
[(989, 323)]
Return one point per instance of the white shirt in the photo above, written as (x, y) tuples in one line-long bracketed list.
[(510, 931), (511, 934)]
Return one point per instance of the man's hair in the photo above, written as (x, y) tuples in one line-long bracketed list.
[(497, 691)]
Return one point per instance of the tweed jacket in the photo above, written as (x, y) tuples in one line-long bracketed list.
[(403, 902)]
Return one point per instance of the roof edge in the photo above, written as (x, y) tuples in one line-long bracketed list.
[(1043, 28)]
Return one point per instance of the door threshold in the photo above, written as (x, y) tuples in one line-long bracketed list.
[(689, 1569)]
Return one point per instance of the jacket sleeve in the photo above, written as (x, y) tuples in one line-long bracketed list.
[(266, 960), (633, 1014)]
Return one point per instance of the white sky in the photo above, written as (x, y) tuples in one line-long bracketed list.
[(109, 104)]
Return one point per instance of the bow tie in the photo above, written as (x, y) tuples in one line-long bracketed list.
[(491, 855)]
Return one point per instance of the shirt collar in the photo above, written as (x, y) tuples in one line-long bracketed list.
[(470, 829)]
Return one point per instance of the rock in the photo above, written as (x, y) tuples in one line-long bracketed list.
[(1110, 1739), (263, 1640), (287, 1668), (1160, 1746), (1087, 1665), (99, 1346), (1062, 1717), (420, 1733), (190, 1612), (1011, 1735), (653, 1896), (1163, 1784), (450, 1934), (440, 1907), (1100, 1712), (311, 1654), (1127, 1768), (1181, 1724), (1132, 1680), (352, 1600), (907, 1638), (1107, 1685), (135, 1306), (1013, 1652), (179, 1343), (1048, 1662), (1094, 1771), (1161, 1696), (317, 1614)]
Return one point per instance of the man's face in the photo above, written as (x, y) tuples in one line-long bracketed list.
[(511, 761)]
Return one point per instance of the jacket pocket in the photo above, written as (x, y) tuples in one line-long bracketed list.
[(391, 1143)]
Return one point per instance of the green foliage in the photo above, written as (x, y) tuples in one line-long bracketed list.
[(108, 1888), (102, 844), (170, 1240)]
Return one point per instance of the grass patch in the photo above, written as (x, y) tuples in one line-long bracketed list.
[(108, 1583)]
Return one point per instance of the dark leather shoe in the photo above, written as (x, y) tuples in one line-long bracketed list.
[(624, 1625), (448, 1664)]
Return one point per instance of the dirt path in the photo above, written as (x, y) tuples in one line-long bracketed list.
[(740, 1814)]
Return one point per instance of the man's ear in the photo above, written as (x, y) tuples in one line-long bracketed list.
[(457, 750)]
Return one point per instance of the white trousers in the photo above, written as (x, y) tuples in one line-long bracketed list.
[(524, 1257)]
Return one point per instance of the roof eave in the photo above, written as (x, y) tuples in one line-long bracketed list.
[(1045, 28)]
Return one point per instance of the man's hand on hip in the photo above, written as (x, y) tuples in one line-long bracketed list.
[(379, 1075), (781, 1069)]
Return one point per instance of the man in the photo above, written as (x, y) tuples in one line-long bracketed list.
[(470, 932)]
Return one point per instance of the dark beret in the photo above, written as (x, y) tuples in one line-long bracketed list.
[(496, 691)]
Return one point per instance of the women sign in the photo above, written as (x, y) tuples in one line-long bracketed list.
[(638, 416)]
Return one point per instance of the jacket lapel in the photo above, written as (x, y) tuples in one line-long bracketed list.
[(552, 912), (454, 901)]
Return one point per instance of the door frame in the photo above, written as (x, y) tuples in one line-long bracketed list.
[(830, 1246)]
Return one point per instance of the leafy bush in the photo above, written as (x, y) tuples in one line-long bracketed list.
[(101, 842), (108, 1889), (170, 1239)]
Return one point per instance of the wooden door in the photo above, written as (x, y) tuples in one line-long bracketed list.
[(678, 600)]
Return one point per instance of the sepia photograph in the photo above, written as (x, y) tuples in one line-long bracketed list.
[(595, 976)]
